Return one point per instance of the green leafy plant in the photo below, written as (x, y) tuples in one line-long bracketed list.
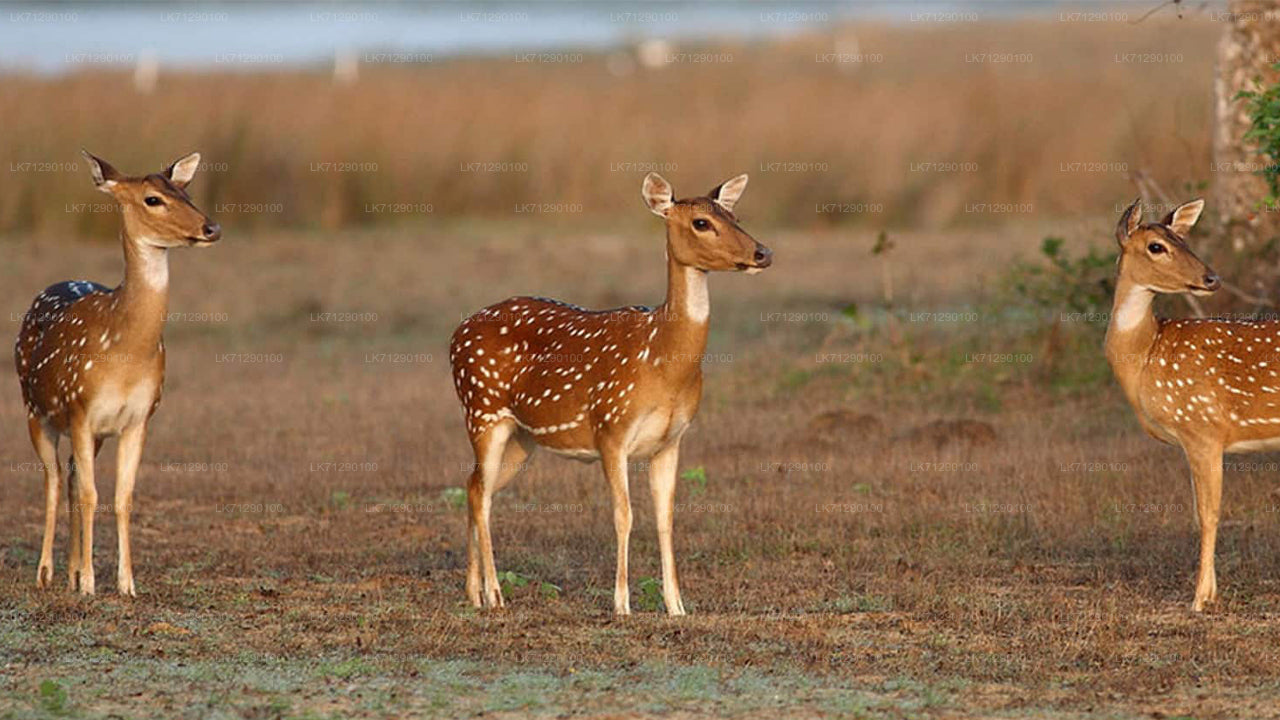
[(455, 498), (53, 696), (697, 479), (650, 599), (549, 591), (510, 581), (340, 499), (1263, 107), (1081, 284)]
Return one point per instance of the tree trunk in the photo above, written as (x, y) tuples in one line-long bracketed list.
[(1249, 47)]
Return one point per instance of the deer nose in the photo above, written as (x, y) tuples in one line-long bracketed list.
[(763, 256), (1212, 281), (212, 231)]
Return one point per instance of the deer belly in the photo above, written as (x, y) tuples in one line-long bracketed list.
[(1251, 446), (115, 408), (653, 432)]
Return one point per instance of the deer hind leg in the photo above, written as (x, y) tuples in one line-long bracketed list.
[(46, 445), (128, 456), (513, 458), (482, 574), (82, 496), (74, 544), (615, 471), (1206, 480), (662, 484)]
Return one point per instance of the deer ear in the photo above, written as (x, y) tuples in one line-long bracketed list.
[(181, 171), (1129, 221), (104, 176), (658, 194), (1182, 218), (727, 193)]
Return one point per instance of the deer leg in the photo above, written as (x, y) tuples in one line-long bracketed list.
[(84, 448), (1206, 479), (475, 485), (46, 445), (615, 471), (662, 484), (73, 514), (514, 454), (489, 449), (128, 456)]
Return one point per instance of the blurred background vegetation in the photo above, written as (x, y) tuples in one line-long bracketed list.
[(931, 126)]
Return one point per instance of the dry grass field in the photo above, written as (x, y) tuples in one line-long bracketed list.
[(921, 122), (299, 537), (929, 502)]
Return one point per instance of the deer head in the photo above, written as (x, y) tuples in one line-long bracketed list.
[(156, 208), (703, 232), (1155, 256)]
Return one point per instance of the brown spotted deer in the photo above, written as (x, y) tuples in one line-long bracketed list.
[(611, 385), (91, 360), (1208, 386)]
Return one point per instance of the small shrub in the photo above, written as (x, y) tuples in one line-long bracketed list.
[(510, 581), (1263, 107), (549, 591), (53, 697), (1064, 284), (650, 594), (455, 498), (697, 479)]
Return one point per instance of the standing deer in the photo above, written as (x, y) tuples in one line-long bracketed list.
[(1208, 386), (609, 385), (91, 360)]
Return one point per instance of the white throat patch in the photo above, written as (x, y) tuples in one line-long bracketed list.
[(1134, 308), (154, 262), (697, 300)]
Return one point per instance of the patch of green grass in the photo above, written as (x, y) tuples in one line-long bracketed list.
[(454, 498), (696, 479), (347, 669), (697, 683), (340, 499), (54, 698), (521, 691)]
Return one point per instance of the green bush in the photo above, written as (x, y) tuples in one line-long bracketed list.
[(1082, 284), (1264, 114)]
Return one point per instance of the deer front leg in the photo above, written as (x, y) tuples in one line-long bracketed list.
[(615, 471), (86, 496), (662, 484), (1206, 479), (128, 456), (46, 446)]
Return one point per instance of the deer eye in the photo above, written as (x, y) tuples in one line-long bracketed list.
[(153, 201), (701, 225), (1155, 248)]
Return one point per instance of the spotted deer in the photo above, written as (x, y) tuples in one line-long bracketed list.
[(1208, 386), (611, 385), (91, 361)]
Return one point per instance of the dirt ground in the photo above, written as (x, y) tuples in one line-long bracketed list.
[(299, 533)]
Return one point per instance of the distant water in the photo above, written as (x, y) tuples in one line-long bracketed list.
[(53, 38)]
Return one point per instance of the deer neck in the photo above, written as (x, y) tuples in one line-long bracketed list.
[(681, 335), (1131, 335), (142, 300)]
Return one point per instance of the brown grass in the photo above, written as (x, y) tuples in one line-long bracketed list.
[(583, 136), (849, 575)]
